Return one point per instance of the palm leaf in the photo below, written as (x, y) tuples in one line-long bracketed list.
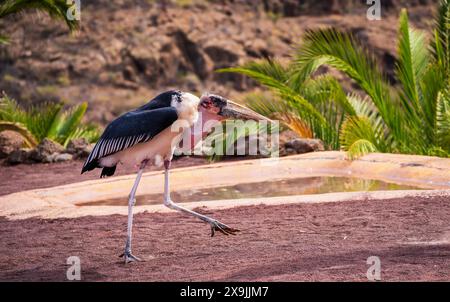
[(296, 124), (274, 76), (4, 40), (265, 104), (221, 143), (359, 128), (57, 9), (89, 132), (360, 148), (432, 83), (443, 120), (341, 51), (441, 44), (10, 110), (269, 73), (412, 64), (29, 139), (277, 109), (40, 119), (48, 120), (364, 108), (66, 122)]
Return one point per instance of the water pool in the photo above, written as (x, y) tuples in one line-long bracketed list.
[(285, 187)]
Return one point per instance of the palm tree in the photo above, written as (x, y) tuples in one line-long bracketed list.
[(413, 118), (57, 9)]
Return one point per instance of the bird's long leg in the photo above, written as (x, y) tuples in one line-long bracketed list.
[(129, 257), (215, 224)]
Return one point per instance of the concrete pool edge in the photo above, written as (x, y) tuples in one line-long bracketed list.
[(72, 211), (427, 172)]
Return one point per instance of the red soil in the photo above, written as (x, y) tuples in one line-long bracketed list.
[(276, 243)]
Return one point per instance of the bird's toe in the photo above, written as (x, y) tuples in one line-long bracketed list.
[(129, 257), (222, 228)]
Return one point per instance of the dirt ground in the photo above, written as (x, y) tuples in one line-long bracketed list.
[(305, 242)]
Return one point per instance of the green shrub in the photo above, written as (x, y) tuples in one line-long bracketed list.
[(49, 120)]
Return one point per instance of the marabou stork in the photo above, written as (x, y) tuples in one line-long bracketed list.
[(145, 135)]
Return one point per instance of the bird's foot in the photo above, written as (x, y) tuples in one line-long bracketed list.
[(221, 227), (129, 257)]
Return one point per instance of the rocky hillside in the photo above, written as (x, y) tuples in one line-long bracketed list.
[(128, 50)]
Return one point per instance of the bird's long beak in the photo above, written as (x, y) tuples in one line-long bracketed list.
[(235, 111), (227, 109)]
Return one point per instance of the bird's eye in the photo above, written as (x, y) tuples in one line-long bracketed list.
[(177, 98), (206, 103)]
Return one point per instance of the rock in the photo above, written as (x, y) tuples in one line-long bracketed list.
[(304, 145), (76, 145), (45, 149), (192, 82), (49, 158), (79, 147), (19, 156), (224, 53), (57, 157), (10, 141), (62, 157), (257, 48), (289, 151), (140, 62), (201, 65)]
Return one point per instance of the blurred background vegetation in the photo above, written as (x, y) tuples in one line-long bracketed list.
[(413, 117), (320, 67)]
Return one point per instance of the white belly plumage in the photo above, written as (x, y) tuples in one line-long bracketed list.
[(159, 148)]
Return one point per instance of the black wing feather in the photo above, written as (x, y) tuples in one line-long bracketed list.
[(132, 128)]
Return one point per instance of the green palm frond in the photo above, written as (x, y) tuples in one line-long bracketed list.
[(443, 119), (358, 137), (364, 108), (360, 148), (37, 120), (221, 143), (341, 51), (356, 128), (4, 40), (57, 9), (265, 104), (277, 109), (10, 110), (65, 123), (327, 96), (90, 132), (324, 90), (40, 119), (433, 81), (290, 103), (412, 64), (47, 121), (441, 44), (269, 73)]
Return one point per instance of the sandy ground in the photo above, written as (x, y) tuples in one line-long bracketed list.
[(304, 242)]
